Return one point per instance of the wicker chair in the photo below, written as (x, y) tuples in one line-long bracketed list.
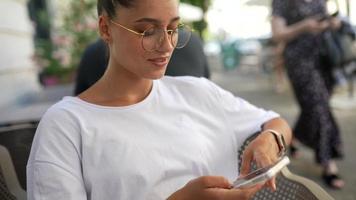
[(289, 185), (15, 145)]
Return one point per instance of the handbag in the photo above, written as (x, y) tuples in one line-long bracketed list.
[(339, 47), (348, 48), (330, 50)]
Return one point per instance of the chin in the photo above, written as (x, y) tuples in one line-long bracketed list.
[(156, 76), (153, 75)]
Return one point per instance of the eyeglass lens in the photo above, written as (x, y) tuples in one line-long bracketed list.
[(154, 37)]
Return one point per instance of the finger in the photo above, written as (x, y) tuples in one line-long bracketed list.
[(271, 184), (247, 159), (214, 182), (254, 189), (246, 193), (324, 24), (263, 161)]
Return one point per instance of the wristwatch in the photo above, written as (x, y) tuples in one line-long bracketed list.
[(280, 141)]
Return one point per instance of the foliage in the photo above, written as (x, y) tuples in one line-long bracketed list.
[(201, 25), (80, 25), (60, 55)]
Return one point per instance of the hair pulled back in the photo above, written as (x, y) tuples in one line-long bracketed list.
[(110, 6)]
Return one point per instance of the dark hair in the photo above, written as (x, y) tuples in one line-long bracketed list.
[(109, 6)]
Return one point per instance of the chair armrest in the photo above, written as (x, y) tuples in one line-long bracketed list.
[(289, 185)]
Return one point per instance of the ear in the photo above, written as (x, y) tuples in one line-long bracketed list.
[(104, 29)]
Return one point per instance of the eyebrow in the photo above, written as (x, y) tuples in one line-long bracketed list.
[(155, 21)]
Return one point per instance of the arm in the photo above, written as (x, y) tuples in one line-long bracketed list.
[(54, 169), (212, 187), (51, 181), (264, 149), (281, 126), (283, 33)]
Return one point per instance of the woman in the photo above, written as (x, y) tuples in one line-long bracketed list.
[(138, 135), (300, 23)]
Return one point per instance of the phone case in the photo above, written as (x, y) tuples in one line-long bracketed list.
[(261, 175)]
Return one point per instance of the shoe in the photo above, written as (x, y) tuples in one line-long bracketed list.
[(334, 181)]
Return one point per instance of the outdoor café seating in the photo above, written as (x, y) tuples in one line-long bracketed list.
[(15, 145)]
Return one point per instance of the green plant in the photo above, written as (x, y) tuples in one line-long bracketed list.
[(60, 55), (201, 25)]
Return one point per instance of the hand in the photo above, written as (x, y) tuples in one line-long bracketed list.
[(211, 188), (335, 23), (314, 26), (263, 150)]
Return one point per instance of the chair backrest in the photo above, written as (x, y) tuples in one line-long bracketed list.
[(9, 184), (289, 185), (15, 146)]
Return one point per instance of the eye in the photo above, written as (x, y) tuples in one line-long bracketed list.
[(150, 32), (142, 28), (173, 31)]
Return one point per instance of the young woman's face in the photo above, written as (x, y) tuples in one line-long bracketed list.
[(126, 48)]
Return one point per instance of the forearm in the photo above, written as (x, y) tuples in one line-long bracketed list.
[(268, 146), (285, 33)]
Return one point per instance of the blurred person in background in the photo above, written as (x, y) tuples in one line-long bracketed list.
[(137, 134), (188, 61), (278, 62), (299, 24)]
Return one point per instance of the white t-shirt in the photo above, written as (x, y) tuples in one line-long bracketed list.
[(185, 128)]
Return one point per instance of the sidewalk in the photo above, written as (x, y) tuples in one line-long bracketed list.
[(251, 84)]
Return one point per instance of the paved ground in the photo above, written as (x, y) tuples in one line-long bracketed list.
[(255, 86)]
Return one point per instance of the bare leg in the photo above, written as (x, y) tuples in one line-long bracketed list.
[(330, 175)]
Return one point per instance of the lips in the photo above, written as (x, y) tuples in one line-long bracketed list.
[(160, 62)]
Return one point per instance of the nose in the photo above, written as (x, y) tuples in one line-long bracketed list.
[(165, 42)]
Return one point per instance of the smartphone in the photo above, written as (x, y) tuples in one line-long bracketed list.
[(261, 175)]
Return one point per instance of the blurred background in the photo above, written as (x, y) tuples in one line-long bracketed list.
[(42, 42)]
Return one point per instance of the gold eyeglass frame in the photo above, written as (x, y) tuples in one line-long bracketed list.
[(169, 32)]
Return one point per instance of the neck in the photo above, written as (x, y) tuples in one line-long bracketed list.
[(117, 88)]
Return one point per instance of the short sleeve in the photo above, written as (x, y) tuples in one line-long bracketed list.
[(243, 117), (54, 167), (279, 8)]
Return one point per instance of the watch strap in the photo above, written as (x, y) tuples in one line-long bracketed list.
[(280, 141)]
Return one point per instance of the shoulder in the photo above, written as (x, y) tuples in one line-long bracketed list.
[(64, 112), (191, 89), (58, 127), (66, 104)]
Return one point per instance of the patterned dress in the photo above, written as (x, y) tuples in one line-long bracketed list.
[(311, 80)]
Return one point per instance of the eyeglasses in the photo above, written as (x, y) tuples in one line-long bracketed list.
[(153, 37)]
